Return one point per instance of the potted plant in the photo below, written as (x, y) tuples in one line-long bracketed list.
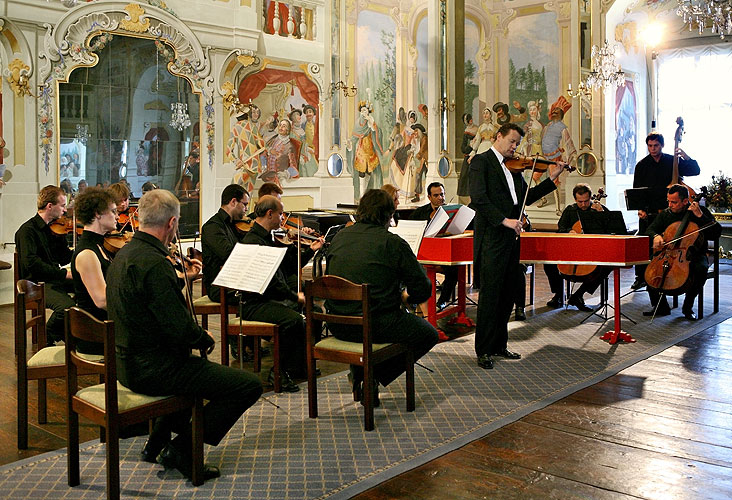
[(719, 193)]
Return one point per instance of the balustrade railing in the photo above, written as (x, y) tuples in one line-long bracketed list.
[(289, 19)]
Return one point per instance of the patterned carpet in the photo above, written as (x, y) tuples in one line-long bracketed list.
[(285, 455)]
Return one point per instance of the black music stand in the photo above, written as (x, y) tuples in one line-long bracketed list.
[(646, 198)]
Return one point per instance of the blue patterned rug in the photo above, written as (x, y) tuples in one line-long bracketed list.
[(282, 454)]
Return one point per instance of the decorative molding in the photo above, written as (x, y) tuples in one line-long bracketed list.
[(87, 28), (627, 34), (17, 76)]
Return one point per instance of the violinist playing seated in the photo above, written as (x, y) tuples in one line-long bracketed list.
[(679, 206), (436, 197), (127, 220), (570, 222), (42, 252), (95, 208)]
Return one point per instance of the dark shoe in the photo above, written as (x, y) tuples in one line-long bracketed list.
[(505, 353), (234, 348), (485, 362), (304, 373), (171, 458), (415, 199), (689, 314), (638, 283), (579, 303), (440, 306), (286, 383), (520, 314), (355, 378), (377, 402), (153, 447), (555, 302), (662, 311)]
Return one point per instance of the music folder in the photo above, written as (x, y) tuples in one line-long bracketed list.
[(605, 222), (449, 220), (250, 267), (646, 198), (410, 231)]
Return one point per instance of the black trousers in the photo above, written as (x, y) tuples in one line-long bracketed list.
[(643, 224), (58, 299), (520, 297), (291, 331), (499, 262), (229, 392), (556, 282), (398, 327), (448, 284)]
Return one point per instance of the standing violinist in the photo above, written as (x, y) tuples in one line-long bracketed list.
[(567, 222), (280, 303), (95, 209), (121, 194), (679, 206), (436, 197), (656, 171), (497, 195), (41, 254)]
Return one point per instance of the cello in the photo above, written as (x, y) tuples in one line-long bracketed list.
[(580, 272)]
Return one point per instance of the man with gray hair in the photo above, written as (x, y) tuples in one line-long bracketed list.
[(155, 334)]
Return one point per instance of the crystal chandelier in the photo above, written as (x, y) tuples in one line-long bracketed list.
[(716, 13), (179, 118), (82, 133), (606, 73)]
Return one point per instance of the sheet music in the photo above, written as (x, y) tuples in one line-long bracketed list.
[(461, 220), (250, 267), (437, 223), (410, 231)]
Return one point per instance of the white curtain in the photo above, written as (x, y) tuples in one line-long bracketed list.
[(694, 83)]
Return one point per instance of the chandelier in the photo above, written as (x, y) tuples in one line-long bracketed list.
[(716, 13), (82, 133), (606, 73), (179, 118)]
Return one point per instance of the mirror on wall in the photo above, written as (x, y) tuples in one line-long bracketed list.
[(115, 123), (335, 165), (443, 166), (586, 164)]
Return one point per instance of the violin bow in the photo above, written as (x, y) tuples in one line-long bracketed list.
[(188, 286), (671, 242), (526, 194)]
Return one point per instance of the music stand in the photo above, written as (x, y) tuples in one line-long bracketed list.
[(605, 222), (646, 198)]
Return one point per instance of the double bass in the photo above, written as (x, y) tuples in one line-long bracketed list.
[(580, 272), (677, 140)]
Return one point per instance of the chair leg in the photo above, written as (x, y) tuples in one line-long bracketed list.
[(72, 446), (22, 411), (312, 386), (276, 361), (113, 483), (42, 399), (256, 349), (197, 443), (410, 380), (204, 321), (368, 398), (700, 301)]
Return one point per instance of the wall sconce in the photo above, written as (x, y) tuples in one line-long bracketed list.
[(339, 85), (582, 92), (444, 105)]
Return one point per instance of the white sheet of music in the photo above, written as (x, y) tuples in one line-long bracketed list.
[(250, 267), (410, 231), (438, 222), (461, 220)]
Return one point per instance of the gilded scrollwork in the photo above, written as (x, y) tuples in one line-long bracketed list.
[(229, 97), (135, 21), (17, 76)]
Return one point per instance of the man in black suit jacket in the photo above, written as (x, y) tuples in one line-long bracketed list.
[(497, 206)]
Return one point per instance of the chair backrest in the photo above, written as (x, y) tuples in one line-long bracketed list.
[(31, 297), (335, 288), (80, 325)]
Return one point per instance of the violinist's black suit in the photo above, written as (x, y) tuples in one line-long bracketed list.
[(495, 247)]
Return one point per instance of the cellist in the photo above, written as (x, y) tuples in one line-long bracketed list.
[(567, 223), (678, 206)]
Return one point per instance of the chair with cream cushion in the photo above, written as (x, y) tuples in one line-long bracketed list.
[(111, 405)]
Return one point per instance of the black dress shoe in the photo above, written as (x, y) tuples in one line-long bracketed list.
[(153, 447), (520, 314), (555, 302), (662, 311), (638, 283), (171, 458), (485, 362), (375, 394), (505, 353), (579, 303), (286, 382), (689, 314), (440, 306)]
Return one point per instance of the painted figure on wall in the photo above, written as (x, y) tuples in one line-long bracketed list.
[(419, 159), (469, 134), (486, 133), (557, 144), (246, 149), (533, 128), (398, 156), (364, 151), (283, 153), (625, 128), (308, 164)]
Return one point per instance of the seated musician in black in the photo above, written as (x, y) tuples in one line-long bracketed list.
[(367, 252), (679, 205), (436, 196), (95, 208), (41, 254), (571, 214), (279, 304), (155, 333)]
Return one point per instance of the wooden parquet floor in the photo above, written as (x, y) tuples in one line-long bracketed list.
[(660, 429)]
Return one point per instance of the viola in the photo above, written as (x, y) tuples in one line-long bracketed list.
[(113, 242), (518, 164), (668, 271)]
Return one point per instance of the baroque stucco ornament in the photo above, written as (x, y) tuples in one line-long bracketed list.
[(78, 35), (17, 76)]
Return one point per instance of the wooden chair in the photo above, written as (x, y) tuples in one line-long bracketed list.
[(365, 354), (255, 329), (111, 405), (39, 365), (713, 250), (205, 307)]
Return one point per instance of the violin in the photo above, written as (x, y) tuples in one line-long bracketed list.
[(518, 164), (113, 242), (130, 219), (580, 272), (65, 225), (668, 271), (244, 225)]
